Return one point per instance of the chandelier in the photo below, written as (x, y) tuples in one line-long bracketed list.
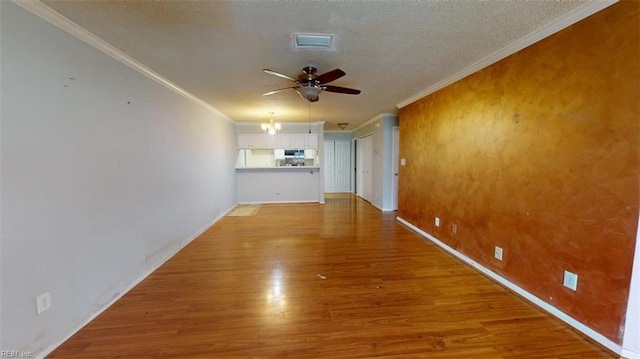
[(272, 127)]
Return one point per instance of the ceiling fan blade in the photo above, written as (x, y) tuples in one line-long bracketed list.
[(278, 90), (275, 73), (339, 89), (330, 76)]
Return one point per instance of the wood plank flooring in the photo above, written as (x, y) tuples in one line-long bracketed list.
[(340, 280)]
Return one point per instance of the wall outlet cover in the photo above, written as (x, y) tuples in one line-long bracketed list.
[(570, 280), (497, 253), (437, 222), (43, 302)]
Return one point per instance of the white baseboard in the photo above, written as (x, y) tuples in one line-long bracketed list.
[(629, 354), (152, 268), (279, 202), (616, 348)]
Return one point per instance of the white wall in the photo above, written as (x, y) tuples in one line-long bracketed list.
[(631, 341), (104, 174), (338, 135)]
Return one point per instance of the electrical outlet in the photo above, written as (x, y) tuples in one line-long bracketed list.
[(454, 228), (437, 221), (43, 302), (403, 162), (497, 252), (570, 280)]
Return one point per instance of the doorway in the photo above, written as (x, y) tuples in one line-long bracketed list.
[(364, 183), (395, 161)]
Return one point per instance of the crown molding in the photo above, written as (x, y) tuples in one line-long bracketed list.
[(338, 131), (374, 119), (293, 124), (51, 16), (583, 11)]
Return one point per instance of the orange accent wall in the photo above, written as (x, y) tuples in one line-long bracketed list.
[(539, 154)]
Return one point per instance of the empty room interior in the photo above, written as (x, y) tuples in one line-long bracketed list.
[(320, 179)]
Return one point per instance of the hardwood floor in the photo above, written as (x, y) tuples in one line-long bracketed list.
[(340, 280)]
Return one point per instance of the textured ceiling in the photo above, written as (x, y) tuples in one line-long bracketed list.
[(391, 50)]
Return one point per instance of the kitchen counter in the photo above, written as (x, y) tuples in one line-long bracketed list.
[(277, 168), (279, 184)]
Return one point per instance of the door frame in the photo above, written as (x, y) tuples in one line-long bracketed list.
[(395, 168)]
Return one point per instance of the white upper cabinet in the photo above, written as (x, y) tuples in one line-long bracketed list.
[(282, 141), (245, 140), (256, 140), (266, 140), (311, 140), (298, 140)]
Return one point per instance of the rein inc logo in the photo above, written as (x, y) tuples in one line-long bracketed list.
[(15, 354)]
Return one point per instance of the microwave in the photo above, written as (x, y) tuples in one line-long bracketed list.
[(294, 153)]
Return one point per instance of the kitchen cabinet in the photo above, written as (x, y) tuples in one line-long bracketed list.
[(265, 141), (311, 140), (290, 141), (298, 140), (309, 154), (244, 140), (256, 140), (282, 141)]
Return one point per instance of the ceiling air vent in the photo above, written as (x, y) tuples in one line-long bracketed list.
[(312, 41)]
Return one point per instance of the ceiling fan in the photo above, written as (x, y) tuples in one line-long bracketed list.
[(309, 85)]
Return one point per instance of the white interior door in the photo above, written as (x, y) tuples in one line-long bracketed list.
[(395, 159), (329, 166), (365, 180), (342, 166), (358, 171)]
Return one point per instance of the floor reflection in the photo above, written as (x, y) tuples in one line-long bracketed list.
[(276, 295)]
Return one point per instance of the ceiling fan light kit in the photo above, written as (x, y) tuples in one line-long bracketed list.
[(309, 93)]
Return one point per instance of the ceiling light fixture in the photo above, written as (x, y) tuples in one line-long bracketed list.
[(309, 93), (272, 127), (343, 125)]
